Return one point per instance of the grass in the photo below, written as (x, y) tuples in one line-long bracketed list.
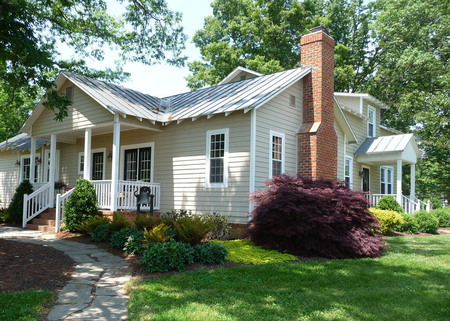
[(24, 306), (244, 251), (411, 282)]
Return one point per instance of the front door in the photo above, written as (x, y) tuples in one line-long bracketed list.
[(366, 179)]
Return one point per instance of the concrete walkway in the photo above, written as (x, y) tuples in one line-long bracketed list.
[(95, 291)]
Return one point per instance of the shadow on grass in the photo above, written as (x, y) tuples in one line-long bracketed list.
[(367, 289)]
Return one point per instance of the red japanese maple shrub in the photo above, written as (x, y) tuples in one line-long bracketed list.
[(313, 218)]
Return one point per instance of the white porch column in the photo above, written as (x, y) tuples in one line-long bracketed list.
[(32, 159), (399, 181), (413, 181), (87, 153), (51, 175), (115, 163)]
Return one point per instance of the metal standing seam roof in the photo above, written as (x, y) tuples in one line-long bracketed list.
[(20, 142), (384, 144)]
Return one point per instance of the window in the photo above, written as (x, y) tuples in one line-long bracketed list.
[(69, 92), (81, 163), (292, 100), (138, 162), (217, 158), (276, 164), (98, 164), (386, 179), (348, 170), (25, 166), (371, 121)]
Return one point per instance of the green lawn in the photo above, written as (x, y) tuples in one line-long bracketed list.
[(26, 305), (411, 282)]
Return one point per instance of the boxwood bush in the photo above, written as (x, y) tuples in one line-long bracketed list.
[(388, 220), (443, 215), (409, 225), (308, 217), (389, 203), (167, 256), (15, 208), (209, 253), (102, 233), (427, 222)]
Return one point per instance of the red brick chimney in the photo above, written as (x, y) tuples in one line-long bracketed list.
[(317, 140)]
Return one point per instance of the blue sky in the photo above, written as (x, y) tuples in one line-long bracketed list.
[(163, 80)]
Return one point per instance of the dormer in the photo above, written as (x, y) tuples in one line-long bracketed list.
[(238, 74)]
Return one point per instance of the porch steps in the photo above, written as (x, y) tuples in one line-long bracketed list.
[(44, 222)]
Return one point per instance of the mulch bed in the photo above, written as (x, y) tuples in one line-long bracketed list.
[(28, 266)]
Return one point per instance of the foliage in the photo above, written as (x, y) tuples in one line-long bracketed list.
[(443, 215), (175, 214), (4, 215), (167, 256), (133, 244), (388, 220), (102, 233), (25, 305), (15, 208), (244, 251), (147, 222), (88, 226), (389, 203), (119, 238), (192, 229), (313, 218), (119, 222), (159, 233), (427, 222), (409, 225), (31, 33), (209, 253), (435, 203), (221, 229), (414, 270)]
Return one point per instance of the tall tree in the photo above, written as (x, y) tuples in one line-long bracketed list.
[(31, 30)]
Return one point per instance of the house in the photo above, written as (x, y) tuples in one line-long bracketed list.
[(209, 149)]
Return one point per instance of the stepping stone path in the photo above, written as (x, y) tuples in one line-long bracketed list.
[(95, 291)]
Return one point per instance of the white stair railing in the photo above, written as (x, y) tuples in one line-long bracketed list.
[(60, 204), (35, 203)]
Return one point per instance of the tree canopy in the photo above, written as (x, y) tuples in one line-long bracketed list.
[(32, 32)]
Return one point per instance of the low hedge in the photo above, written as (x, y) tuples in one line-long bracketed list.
[(388, 220)]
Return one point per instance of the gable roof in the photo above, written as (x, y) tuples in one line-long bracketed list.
[(236, 72), (386, 144)]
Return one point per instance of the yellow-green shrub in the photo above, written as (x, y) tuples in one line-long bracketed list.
[(388, 219)]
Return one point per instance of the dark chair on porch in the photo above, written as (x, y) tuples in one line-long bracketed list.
[(144, 198)]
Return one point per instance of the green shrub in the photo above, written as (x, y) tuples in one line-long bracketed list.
[(175, 214), (134, 244), (81, 205), (88, 226), (4, 215), (388, 220), (389, 203), (427, 222), (443, 215), (210, 253), (15, 208), (119, 222), (102, 233), (192, 229), (221, 229), (435, 203), (168, 256), (147, 222), (160, 233), (118, 239), (409, 225)]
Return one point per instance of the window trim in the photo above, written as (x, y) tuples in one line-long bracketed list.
[(123, 148), (95, 150), (386, 168), (374, 132), (349, 157), (209, 133), (22, 157), (283, 157), (362, 178)]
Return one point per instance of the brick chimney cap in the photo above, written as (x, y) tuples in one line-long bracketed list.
[(319, 28)]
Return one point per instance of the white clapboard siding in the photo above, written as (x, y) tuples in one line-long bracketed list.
[(9, 177)]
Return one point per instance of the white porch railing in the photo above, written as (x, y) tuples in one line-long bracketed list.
[(103, 189), (35, 203), (60, 204), (409, 205)]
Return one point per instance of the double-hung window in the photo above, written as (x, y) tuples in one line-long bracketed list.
[(217, 158), (276, 164), (348, 170), (25, 170), (371, 121), (386, 180)]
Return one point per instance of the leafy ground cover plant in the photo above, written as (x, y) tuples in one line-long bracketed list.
[(313, 218), (388, 220), (134, 243), (167, 256), (389, 203), (102, 233), (81, 205), (209, 253), (221, 229), (244, 251), (15, 208), (443, 215), (119, 238), (88, 226)]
